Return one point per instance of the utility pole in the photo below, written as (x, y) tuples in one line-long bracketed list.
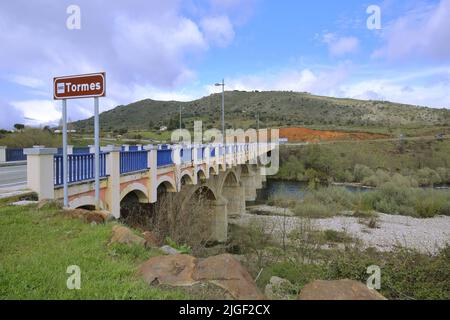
[(180, 117), (257, 121), (223, 106)]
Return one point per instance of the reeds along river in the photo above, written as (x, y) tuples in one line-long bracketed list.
[(298, 190)]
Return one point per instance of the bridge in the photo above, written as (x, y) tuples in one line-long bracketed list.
[(229, 174)]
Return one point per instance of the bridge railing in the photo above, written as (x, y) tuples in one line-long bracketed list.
[(15, 154), (80, 167), (186, 154), (164, 157), (131, 161)]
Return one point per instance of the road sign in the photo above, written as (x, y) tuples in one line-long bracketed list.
[(79, 86)]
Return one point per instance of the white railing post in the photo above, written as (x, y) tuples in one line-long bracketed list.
[(40, 171), (152, 162), (113, 172), (2, 154)]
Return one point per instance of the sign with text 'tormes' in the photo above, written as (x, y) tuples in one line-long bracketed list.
[(79, 86)]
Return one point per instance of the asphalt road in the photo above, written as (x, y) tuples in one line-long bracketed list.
[(13, 178)]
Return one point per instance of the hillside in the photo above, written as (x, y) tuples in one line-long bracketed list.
[(275, 109)]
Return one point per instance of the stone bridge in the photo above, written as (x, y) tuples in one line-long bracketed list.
[(230, 175)]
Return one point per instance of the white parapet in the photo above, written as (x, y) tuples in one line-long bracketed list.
[(2, 154), (40, 171)]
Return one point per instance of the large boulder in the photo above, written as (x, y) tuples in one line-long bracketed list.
[(226, 272), (88, 216), (121, 234), (280, 289), (338, 290), (173, 270)]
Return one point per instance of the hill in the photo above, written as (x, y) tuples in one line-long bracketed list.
[(275, 108)]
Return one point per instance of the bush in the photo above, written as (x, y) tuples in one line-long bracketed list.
[(362, 172)]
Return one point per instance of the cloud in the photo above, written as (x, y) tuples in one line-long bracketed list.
[(218, 30), (425, 87), (147, 44), (305, 80), (423, 32), (339, 46), (12, 116)]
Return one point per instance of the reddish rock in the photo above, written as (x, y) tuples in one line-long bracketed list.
[(88, 216), (172, 270), (150, 239), (225, 271), (338, 290), (121, 234)]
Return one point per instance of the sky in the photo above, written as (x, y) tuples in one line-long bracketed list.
[(177, 50)]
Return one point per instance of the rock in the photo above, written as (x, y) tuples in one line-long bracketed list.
[(150, 239), (280, 289), (173, 270), (338, 290), (169, 250), (121, 234), (89, 216), (226, 272)]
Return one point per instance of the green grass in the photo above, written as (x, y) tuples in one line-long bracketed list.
[(36, 247), (405, 274)]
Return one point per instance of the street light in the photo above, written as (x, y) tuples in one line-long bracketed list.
[(223, 106)]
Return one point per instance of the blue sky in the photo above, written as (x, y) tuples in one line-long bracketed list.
[(178, 49)]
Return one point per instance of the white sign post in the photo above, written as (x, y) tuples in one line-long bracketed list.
[(73, 87)]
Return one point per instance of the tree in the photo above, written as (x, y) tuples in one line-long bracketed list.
[(19, 126)]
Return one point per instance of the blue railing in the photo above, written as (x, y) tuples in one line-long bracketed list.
[(131, 161), (213, 151), (164, 157), (133, 148), (80, 167), (200, 153), (15, 154), (186, 155)]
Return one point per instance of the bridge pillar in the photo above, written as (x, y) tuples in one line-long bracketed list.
[(2, 154), (248, 181), (113, 189), (40, 171), (235, 196), (152, 161), (219, 220)]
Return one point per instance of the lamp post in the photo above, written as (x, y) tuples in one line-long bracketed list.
[(223, 105)]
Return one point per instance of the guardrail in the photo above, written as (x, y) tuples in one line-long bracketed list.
[(15, 154), (80, 167), (131, 161), (164, 157)]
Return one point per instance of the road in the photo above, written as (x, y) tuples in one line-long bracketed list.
[(12, 179)]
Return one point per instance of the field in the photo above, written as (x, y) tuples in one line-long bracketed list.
[(311, 135)]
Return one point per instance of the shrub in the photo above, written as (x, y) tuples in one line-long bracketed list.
[(362, 172)]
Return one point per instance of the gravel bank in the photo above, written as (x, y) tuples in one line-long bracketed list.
[(425, 235)]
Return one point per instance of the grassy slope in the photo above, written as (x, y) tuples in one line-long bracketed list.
[(36, 247), (275, 109)]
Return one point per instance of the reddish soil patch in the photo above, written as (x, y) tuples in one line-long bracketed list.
[(310, 135)]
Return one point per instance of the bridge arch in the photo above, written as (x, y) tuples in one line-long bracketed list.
[(201, 175), (212, 171), (187, 178), (166, 182), (139, 189), (86, 202)]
